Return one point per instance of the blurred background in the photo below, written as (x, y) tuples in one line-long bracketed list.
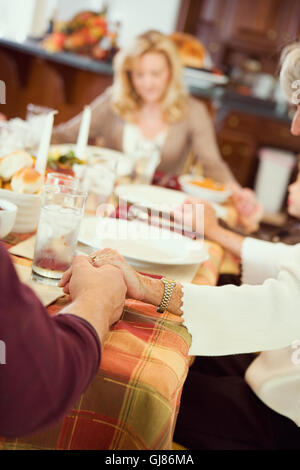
[(55, 53)]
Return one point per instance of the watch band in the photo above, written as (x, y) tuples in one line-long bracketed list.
[(168, 290)]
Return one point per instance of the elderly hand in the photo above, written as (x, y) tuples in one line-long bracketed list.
[(187, 214), (103, 286), (3, 117), (132, 278)]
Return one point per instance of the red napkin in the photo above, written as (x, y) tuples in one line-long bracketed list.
[(167, 181)]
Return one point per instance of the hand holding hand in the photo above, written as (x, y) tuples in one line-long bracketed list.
[(103, 287), (250, 211), (187, 214), (132, 278)]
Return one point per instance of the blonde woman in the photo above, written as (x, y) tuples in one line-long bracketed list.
[(243, 401), (148, 108)]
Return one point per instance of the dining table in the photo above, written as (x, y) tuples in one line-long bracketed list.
[(134, 398)]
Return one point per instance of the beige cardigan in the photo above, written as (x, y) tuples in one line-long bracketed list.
[(194, 132)]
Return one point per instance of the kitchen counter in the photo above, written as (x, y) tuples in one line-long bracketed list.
[(81, 62), (223, 99), (226, 101)]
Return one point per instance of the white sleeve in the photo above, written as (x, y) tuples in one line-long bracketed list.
[(231, 320), (262, 260)]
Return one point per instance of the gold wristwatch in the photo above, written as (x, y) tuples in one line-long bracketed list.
[(168, 290)]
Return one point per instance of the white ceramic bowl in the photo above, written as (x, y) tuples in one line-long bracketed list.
[(7, 217), (202, 193), (28, 210)]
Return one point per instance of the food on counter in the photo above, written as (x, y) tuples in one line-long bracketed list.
[(13, 162), (26, 181), (63, 162), (55, 42), (87, 33), (191, 51), (208, 183)]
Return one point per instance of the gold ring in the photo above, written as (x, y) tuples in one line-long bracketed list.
[(94, 258)]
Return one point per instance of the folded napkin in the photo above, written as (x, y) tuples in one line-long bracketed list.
[(46, 294), (25, 249)]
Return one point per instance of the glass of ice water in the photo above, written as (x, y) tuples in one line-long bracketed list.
[(98, 179), (61, 214)]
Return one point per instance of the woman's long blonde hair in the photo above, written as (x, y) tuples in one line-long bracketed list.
[(125, 99)]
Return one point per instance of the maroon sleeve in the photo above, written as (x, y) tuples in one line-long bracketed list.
[(46, 362)]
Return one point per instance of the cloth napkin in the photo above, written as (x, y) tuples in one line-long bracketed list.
[(25, 249), (47, 294)]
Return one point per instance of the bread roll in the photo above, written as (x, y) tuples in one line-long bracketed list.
[(191, 51), (10, 164), (26, 181)]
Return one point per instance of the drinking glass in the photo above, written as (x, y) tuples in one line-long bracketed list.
[(61, 214), (35, 117), (147, 159), (62, 180), (13, 136), (98, 179)]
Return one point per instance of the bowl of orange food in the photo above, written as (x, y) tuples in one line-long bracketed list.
[(204, 188)]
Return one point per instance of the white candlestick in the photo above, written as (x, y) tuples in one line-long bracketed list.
[(42, 155), (83, 134)]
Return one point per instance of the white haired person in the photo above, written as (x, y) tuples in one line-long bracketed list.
[(233, 399)]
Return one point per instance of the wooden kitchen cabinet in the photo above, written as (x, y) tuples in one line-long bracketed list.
[(256, 27), (239, 150), (241, 135), (278, 134), (260, 24)]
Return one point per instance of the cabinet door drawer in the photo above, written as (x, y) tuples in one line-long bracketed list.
[(278, 134), (239, 154), (240, 122)]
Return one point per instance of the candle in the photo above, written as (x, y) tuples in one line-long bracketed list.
[(83, 134), (42, 154)]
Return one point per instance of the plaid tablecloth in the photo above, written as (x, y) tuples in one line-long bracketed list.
[(134, 399)]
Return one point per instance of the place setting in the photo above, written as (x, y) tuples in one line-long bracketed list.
[(79, 179)]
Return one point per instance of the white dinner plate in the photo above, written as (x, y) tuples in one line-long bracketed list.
[(158, 198), (141, 242), (150, 196), (125, 163)]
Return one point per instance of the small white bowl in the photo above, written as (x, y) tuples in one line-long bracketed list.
[(28, 205), (203, 193), (7, 217)]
